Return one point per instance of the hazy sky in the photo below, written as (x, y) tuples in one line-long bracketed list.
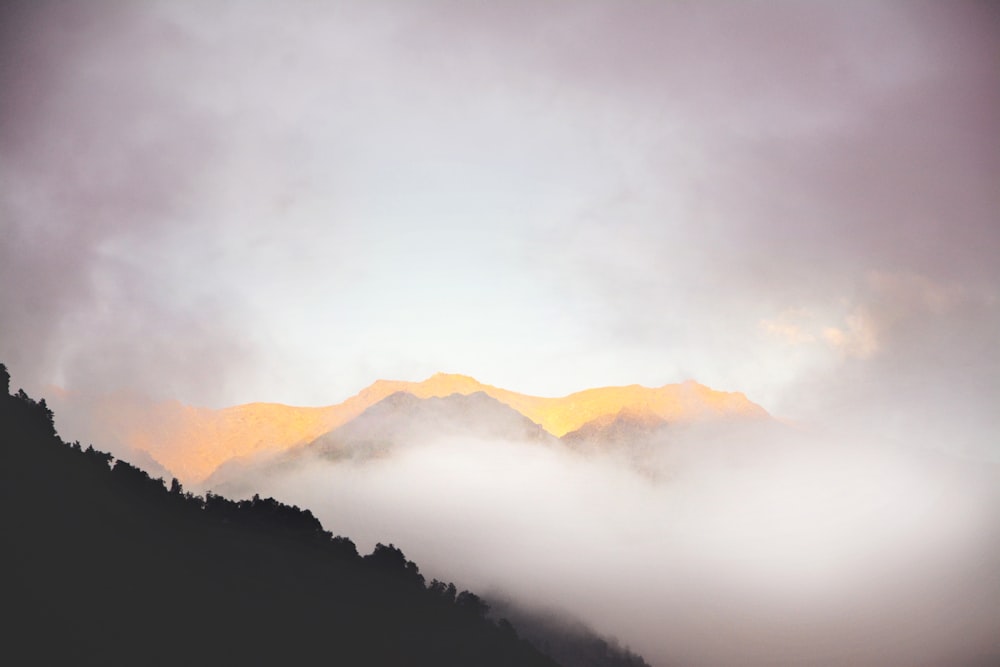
[(223, 202)]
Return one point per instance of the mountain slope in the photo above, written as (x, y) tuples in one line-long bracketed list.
[(403, 417), (619, 429)]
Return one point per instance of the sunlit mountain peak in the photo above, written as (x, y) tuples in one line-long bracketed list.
[(192, 442), (443, 384)]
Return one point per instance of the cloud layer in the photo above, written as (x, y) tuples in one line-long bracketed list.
[(725, 546)]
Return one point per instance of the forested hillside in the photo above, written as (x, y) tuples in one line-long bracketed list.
[(104, 566)]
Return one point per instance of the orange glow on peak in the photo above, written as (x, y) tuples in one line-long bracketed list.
[(193, 442)]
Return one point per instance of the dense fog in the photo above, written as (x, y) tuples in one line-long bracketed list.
[(726, 545)]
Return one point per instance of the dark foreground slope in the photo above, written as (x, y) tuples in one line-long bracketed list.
[(103, 566)]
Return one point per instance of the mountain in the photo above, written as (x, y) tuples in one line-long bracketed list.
[(193, 442), (399, 420), (105, 566), (624, 428), (567, 640), (687, 401), (403, 417)]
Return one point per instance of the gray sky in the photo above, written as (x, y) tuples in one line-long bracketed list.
[(223, 202)]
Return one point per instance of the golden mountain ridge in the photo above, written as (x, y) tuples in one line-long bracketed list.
[(192, 442)]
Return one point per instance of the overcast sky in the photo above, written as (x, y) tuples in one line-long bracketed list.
[(223, 202)]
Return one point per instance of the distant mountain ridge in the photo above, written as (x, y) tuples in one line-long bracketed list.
[(193, 442)]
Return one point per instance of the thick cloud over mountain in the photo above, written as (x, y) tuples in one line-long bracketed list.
[(719, 542)]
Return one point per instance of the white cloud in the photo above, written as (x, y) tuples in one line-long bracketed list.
[(856, 338)]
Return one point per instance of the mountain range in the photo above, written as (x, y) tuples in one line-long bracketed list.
[(191, 443)]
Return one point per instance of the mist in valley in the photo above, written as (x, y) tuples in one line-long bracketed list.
[(713, 544)]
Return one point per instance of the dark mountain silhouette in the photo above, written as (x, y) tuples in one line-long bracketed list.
[(104, 566), (568, 641)]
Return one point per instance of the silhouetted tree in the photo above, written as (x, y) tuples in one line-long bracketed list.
[(472, 603), (391, 560)]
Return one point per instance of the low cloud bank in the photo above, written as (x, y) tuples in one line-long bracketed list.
[(725, 547)]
